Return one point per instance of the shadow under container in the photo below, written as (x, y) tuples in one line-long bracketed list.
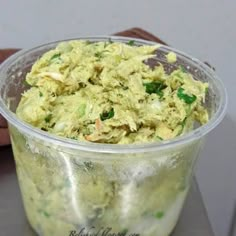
[(70, 187)]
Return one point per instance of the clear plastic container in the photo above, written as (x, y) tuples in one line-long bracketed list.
[(70, 187)]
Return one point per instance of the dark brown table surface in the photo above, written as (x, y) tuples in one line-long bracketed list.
[(193, 220)]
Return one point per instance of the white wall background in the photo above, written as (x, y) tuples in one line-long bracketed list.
[(203, 28)]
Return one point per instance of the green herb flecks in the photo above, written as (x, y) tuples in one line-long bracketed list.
[(55, 56), (131, 43), (183, 69), (44, 129), (88, 42), (73, 137), (110, 41), (160, 93), (123, 232), (155, 87), (26, 83), (107, 115), (100, 54), (189, 99), (40, 94), (159, 214), (48, 118), (182, 126), (81, 110), (160, 138), (183, 123), (105, 44), (46, 214), (88, 165)]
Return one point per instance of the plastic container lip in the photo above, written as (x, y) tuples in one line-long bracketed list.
[(119, 148)]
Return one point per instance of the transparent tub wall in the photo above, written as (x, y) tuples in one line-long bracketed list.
[(64, 190)]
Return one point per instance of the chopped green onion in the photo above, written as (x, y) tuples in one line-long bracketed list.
[(44, 129), (40, 94), (183, 123), (131, 43), (107, 115), (105, 44), (88, 165), (48, 118), (56, 56), (155, 87), (183, 69), (160, 93), (189, 99), (81, 110), (158, 137), (98, 54), (123, 232), (46, 214), (26, 83), (73, 138), (108, 42), (159, 214)]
